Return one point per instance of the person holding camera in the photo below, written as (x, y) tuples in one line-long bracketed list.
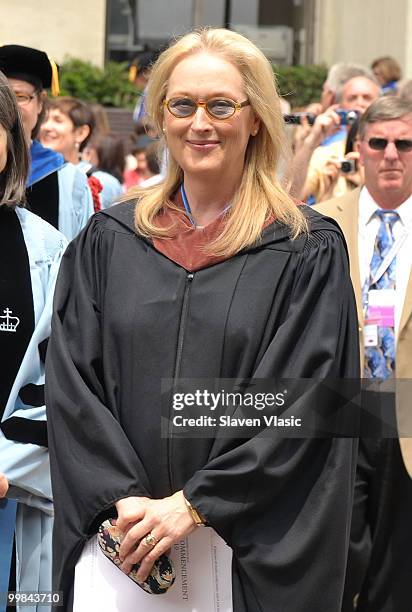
[(347, 166), (307, 138), (323, 178)]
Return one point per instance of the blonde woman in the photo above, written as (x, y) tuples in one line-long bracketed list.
[(215, 273)]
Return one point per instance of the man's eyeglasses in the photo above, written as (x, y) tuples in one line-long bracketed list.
[(380, 144), (23, 99), (216, 108)]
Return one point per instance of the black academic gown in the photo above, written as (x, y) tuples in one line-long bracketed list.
[(125, 317)]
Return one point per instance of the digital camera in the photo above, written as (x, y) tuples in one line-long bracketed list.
[(347, 166), (347, 117)]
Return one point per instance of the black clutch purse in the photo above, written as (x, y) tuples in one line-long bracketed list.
[(160, 578)]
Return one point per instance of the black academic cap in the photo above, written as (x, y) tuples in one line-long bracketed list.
[(29, 65)]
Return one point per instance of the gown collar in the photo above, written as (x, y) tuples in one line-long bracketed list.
[(43, 162), (187, 246)]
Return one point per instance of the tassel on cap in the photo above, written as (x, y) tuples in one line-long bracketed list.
[(132, 73), (55, 87)]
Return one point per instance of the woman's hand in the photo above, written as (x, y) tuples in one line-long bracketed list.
[(4, 485), (130, 510), (167, 520)]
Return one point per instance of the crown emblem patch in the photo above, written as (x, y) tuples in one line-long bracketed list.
[(7, 322)]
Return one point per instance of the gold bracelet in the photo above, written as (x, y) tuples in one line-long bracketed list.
[(196, 516)]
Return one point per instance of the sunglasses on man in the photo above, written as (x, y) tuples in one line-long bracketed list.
[(403, 145)]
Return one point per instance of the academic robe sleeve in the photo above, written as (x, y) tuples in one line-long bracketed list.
[(284, 505), (82, 200), (26, 465), (75, 200), (82, 425)]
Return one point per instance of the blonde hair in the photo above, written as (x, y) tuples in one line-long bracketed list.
[(260, 195)]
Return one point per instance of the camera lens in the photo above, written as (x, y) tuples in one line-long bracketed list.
[(351, 117), (347, 166)]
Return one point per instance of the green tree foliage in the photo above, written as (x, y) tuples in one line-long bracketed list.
[(300, 85), (111, 87)]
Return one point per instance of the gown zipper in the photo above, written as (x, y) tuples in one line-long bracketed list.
[(178, 362)]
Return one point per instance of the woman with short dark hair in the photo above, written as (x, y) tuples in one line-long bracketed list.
[(106, 153), (68, 129)]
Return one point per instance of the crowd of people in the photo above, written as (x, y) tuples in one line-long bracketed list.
[(218, 241)]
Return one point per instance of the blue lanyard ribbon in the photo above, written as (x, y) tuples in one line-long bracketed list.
[(187, 206)]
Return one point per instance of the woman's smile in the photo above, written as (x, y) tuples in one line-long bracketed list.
[(203, 145)]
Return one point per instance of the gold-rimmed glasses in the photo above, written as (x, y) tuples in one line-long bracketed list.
[(23, 99), (218, 108)]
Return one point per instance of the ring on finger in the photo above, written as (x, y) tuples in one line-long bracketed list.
[(151, 540)]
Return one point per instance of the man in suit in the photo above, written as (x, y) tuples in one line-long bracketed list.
[(377, 222)]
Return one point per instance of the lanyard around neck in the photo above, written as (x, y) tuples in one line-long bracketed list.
[(186, 205), (188, 210)]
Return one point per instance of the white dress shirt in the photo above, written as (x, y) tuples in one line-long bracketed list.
[(368, 228)]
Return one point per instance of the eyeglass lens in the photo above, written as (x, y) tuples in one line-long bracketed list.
[(218, 108), (24, 99), (380, 144)]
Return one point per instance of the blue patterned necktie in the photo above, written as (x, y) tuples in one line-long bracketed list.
[(380, 359)]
